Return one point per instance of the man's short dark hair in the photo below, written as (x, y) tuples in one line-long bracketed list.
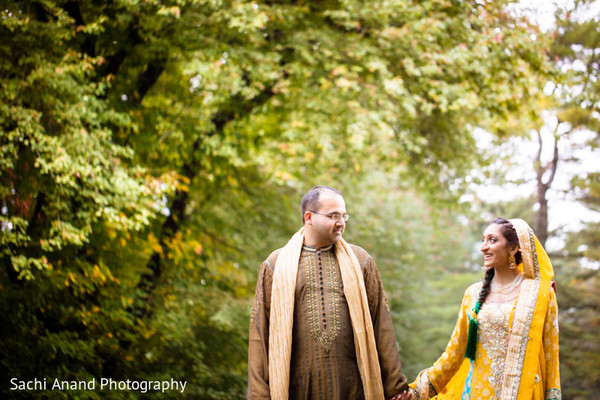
[(310, 200)]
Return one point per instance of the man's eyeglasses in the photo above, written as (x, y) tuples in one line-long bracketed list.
[(335, 216)]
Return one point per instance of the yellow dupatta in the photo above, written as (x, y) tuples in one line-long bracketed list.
[(525, 338)]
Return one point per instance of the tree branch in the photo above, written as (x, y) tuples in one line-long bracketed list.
[(190, 169), (554, 163)]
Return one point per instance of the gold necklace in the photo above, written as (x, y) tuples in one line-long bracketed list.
[(508, 288)]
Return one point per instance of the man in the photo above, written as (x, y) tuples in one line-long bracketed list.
[(320, 327)]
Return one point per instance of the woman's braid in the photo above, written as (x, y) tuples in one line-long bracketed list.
[(485, 289)]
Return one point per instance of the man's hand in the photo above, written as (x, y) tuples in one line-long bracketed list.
[(406, 395)]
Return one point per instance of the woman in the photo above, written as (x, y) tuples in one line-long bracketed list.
[(505, 343)]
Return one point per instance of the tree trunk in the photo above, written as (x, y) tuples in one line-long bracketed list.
[(541, 218)]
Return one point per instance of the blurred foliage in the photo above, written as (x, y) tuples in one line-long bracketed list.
[(153, 153), (574, 101), (575, 51)]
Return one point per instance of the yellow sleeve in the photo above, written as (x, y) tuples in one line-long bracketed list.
[(432, 380), (551, 350)]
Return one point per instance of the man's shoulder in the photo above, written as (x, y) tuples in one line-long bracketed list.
[(361, 254), (358, 250), (272, 259)]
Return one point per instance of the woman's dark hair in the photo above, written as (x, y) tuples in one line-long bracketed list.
[(510, 234), (485, 289), (508, 231)]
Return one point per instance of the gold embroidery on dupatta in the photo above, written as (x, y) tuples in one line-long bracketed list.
[(519, 333)]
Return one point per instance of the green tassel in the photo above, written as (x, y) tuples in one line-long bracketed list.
[(472, 338), (472, 341)]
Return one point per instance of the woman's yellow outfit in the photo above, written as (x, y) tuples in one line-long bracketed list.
[(517, 342)]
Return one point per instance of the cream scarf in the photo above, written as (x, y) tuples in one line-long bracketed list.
[(282, 319)]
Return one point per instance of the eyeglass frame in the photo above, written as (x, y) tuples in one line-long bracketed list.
[(345, 217)]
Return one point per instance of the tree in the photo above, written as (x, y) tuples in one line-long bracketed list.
[(575, 52)]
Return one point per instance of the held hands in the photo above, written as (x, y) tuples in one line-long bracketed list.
[(406, 395)]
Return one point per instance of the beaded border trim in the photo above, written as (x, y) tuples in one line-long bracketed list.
[(553, 394), (519, 333)]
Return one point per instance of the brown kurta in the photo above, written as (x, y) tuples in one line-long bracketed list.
[(323, 363)]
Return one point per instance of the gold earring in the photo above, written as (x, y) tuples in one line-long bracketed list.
[(512, 263)]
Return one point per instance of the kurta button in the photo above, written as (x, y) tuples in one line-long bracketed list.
[(537, 378)]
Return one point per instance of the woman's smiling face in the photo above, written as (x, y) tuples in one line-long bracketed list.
[(495, 248)]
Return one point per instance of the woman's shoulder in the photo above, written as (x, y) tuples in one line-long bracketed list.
[(473, 290)]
